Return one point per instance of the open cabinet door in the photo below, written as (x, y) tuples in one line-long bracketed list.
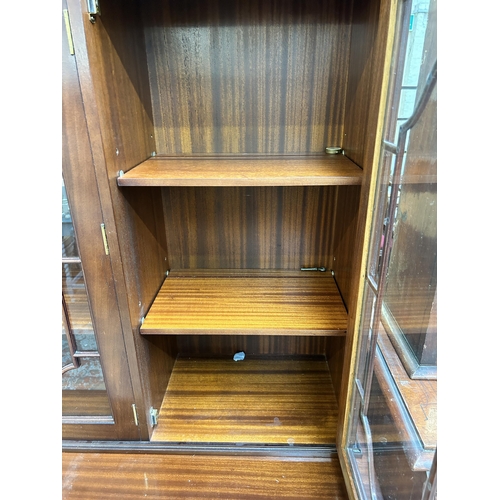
[(97, 396), (388, 446)]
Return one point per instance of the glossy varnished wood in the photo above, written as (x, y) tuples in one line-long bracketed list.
[(253, 345), (83, 192), (111, 55), (246, 302), (120, 476), (231, 76), (249, 227), (279, 401), (325, 170), (85, 403)]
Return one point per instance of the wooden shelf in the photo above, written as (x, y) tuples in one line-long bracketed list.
[(133, 475), (324, 170), (277, 401), (249, 302)]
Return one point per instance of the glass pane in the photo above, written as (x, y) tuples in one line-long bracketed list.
[(366, 337), (83, 388), (69, 248), (393, 418), (67, 359), (75, 297), (380, 216)]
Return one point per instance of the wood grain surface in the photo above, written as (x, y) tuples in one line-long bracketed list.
[(225, 302), (85, 403), (231, 76), (254, 345), (249, 227), (129, 476), (325, 170), (280, 401)]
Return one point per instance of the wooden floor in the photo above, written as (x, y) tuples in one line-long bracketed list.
[(278, 401), (102, 476)]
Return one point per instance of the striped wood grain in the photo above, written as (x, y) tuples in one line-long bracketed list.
[(279, 401), (253, 345), (129, 476), (249, 227), (324, 170), (231, 76), (272, 303), (85, 403)]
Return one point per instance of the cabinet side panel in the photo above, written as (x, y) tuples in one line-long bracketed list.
[(346, 221), (231, 76), (111, 56), (249, 228), (335, 351), (362, 89)]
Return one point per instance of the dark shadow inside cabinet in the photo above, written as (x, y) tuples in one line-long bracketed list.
[(225, 108)]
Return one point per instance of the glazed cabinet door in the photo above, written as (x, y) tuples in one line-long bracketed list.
[(97, 396), (389, 445)]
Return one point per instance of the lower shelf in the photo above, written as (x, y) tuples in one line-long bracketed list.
[(250, 302), (254, 401)]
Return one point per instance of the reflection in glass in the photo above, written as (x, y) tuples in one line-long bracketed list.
[(75, 298), (69, 248), (392, 436), (83, 389)]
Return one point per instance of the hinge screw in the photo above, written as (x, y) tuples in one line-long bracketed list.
[(153, 413)]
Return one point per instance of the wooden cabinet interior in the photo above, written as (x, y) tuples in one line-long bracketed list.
[(209, 121)]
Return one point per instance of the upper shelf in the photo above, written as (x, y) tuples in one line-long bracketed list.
[(323, 170)]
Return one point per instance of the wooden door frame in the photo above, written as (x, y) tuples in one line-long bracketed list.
[(83, 195)]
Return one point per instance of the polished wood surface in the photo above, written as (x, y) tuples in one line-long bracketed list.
[(249, 228), (112, 64), (231, 76), (344, 238), (259, 302), (120, 476), (370, 59), (325, 170), (78, 160), (253, 345), (279, 401), (85, 403)]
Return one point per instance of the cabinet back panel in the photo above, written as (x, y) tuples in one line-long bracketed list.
[(232, 76), (249, 228), (252, 345)]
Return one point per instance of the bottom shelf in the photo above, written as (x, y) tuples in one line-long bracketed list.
[(255, 401)]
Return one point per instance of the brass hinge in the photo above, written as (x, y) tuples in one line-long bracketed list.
[(105, 239), (134, 410), (68, 32)]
